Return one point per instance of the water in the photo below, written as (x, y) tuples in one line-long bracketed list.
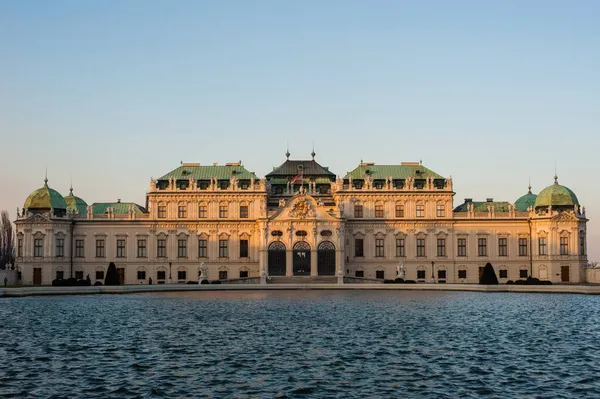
[(338, 344)]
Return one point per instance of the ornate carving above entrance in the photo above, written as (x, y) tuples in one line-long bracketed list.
[(302, 209)]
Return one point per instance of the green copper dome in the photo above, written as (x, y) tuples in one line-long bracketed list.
[(45, 198), (556, 195), (76, 204), (526, 201)]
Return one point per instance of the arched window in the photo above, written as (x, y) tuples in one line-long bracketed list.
[(277, 259), (326, 258)]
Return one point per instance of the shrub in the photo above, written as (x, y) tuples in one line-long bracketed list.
[(216, 282), (98, 283), (59, 282), (204, 282), (488, 277), (112, 277), (509, 282), (388, 281), (71, 282), (398, 280), (545, 282), (192, 282), (410, 282), (83, 283)]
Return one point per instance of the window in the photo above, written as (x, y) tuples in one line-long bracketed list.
[(20, 247), (379, 252), (441, 247), (380, 274), (120, 248), (161, 275), (202, 211), (202, 252), (564, 245), (222, 211), (400, 247), (442, 274), (378, 210), (79, 275), (99, 274), (244, 211), (222, 274), (223, 250), (462, 247), (79, 250), (440, 210), (182, 248), (462, 274), (243, 248), (100, 248), (523, 273), (503, 273), (162, 211), (358, 211), (161, 248), (420, 210), (37, 247), (243, 273), (141, 248), (141, 275), (420, 247), (181, 275), (542, 245), (182, 211), (359, 247), (421, 274), (60, 247), (522, 246), (502, 246), (581, 244), (482, 246), (60, 275), (399, 211), (359, 273)]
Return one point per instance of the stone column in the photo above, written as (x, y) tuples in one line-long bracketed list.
[(289, 259), (314, 271)]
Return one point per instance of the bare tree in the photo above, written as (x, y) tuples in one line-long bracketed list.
[(7, 241)]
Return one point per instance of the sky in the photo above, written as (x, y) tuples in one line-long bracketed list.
[(107, 94)]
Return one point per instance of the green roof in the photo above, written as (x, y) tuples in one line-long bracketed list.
[(285, 180), (119, 207), (556, 195), (525, 202), (309, 168), (395, 171), (76, 204), (499, 206), (197, 172), (45, 198)]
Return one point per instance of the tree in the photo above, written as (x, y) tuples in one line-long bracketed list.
[(488, 276), (112, 277), (7, 241)]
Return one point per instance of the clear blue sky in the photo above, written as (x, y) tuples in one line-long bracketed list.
[(111, 93)]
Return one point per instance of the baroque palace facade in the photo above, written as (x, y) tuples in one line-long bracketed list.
[(222, 222)]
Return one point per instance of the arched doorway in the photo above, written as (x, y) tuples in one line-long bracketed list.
[(301, 259), (326, 258), (277, 259)]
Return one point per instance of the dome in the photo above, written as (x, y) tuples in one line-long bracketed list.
[(526, 201), (556, 195), (45, 198), (76, 204)]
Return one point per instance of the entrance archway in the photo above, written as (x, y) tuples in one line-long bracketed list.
[(301, 259), (326, 258), (276, 255)]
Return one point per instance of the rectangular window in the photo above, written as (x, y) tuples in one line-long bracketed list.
[(442, 274), (420, 247), (182, 248), (358, 211), (100, 248), (440, 210), (503, 273), (581, 244), (359, 251), (222, 274), (202, 249), (162, 211), (400, 247), (141, 275), (202, 211), (161, 248), (378, 210), (502, 246), (37, 248), (522, 246), (380, 274), (99, 274), (79, 275), (379, 252), (462, 274), (243, 273), (359, 273), (141, 248), (161, 275), (223, 249), (462, 247), (243, 248), (441, 247), (244, 211), (564, 245), (79, 250), (542, 245), (482, 246), (60, 275), (181, 275), (420, 210), (421, 274), (182, 211), (120, 248), (222, 211), (60, 247), (399, 211), (20, 247), (523, 273)]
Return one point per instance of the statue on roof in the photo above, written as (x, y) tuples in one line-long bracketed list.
[(18, 212)]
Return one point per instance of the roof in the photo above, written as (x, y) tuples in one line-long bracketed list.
[(395, 171), (309, 168), (45, 198), (119, 207), (556, 195), (285, 180), (221, 172), (76, 204), (499, 206), (525, 202)]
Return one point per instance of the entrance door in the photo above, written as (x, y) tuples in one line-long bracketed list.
[(121, 273), (326, 259), (564, 274), (37, 276), (301, 259), (277, 262)]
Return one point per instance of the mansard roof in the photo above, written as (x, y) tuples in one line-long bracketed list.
[(220, 172), (499, 206), (309, 168), (402, 171), (118, 207)]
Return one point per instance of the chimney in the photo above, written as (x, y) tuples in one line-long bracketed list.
[(118, 200), (468, 200), (489, 199)]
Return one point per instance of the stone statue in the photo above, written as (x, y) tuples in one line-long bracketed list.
[(18, 212), (400, 271), (202, 273), (281, 203), (575, 209)]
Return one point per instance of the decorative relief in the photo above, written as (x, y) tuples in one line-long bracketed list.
[(302, 209)]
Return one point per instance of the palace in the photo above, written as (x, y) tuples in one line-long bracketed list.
[(302, 223)]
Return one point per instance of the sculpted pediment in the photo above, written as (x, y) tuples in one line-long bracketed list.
[(565, 217), (38, 218), (302, 207)]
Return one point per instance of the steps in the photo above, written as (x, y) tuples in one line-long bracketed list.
[(302, 280)]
